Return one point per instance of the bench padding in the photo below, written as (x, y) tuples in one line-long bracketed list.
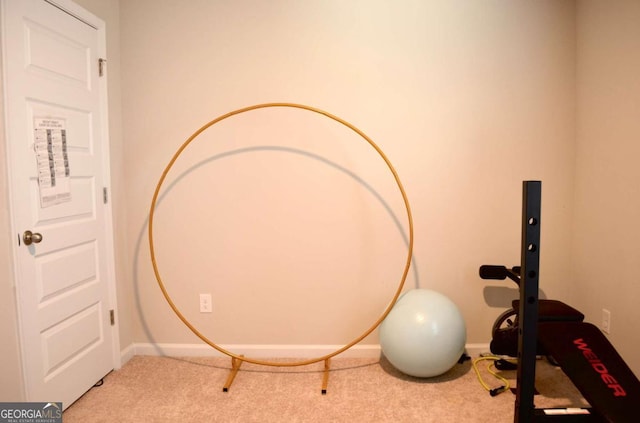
[(587, 357)]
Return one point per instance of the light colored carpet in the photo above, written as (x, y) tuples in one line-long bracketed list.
[(164, 389)]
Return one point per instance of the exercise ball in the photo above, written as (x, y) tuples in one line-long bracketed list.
[(424, 334)]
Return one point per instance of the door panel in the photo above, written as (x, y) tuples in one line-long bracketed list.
[(69, 61), (70, 338), (63, 270), (80, 206), (63, 287)]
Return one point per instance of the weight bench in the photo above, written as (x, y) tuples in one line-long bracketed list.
[(594, 366), (504, 340), (584, 354)]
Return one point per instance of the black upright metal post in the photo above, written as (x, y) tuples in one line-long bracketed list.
[(528, 313)]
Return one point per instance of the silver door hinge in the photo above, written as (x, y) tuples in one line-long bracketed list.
[(112, 317), (101, 65), (105, 195)]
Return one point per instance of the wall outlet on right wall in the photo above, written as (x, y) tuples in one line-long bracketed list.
[(606, 321)]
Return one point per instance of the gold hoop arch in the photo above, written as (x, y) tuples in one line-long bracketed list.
[(201, 335)]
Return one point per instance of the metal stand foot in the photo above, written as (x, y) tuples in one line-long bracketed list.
[(235, 366), (325, 377)]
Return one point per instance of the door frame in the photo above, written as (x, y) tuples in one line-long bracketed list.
[(73, 9)]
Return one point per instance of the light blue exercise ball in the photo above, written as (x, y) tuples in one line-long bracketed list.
[(424, 334)]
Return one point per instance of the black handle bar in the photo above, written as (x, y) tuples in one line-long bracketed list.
[(490, 271)]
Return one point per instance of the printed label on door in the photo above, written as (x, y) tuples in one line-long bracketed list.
[(50, 146)]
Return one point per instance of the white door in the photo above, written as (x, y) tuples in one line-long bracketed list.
[(55, 110)]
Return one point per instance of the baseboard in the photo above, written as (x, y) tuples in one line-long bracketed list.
[(475, 350), (266, 351), (127, 354), (262, 351)]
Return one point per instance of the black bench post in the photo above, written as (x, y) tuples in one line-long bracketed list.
[(528, 313)]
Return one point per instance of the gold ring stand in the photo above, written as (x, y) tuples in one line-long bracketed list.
[(237, 360)]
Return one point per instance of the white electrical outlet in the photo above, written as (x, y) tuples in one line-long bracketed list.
[(606, 321), (205, 303)]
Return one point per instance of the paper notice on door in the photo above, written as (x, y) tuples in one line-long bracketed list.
[(53, 161)]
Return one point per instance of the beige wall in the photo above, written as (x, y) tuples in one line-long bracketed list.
[(466, 98), (607, 198)]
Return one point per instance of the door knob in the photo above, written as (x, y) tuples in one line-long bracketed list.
[(31, 238)]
